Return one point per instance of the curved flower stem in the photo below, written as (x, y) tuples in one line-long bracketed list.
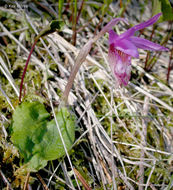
[(24, 72), (79, 60), (82, 56)]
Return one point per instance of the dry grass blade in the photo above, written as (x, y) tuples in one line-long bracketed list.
[(6, 72), (5, 180), (152, 97), (152, 170), (144, 141)]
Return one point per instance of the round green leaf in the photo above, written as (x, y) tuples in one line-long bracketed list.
[(37, 138)]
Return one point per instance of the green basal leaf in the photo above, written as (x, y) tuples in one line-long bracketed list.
[(37, 138), (29, 125), (66, 123)]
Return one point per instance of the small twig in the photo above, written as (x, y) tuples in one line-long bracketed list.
[(5, 40), (42, 181), (108, 177), (82, 180), (27, 180)]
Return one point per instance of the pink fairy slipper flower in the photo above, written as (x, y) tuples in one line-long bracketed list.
[(123, 47)]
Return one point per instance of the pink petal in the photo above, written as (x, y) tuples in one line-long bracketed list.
[(132, 30), (112, 36), (112, 23), (147, 23), (126, 47), (146, 44)]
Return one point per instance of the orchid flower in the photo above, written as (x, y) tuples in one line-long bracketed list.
[(124, 46)]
